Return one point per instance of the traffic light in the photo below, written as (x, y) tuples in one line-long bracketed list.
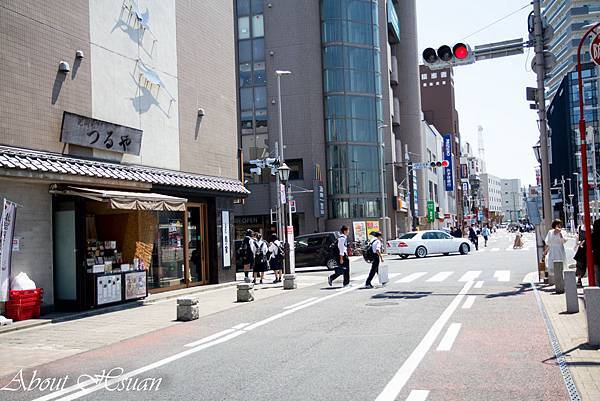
[(445, 56), (443, 163)]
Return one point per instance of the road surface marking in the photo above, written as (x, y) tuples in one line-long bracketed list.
[(532, 277), (441, 276), (449, 337), (393, 388), (495, 250), (418, 395), (392, 275), (470, 275), (411, 277), (469, 302), (300, 303), (510, 248), (502, 275), (478, 284), (210, 338), (240, 326)]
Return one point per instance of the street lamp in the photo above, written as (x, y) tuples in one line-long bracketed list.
[(536, 151), (289, 278), (382, 184)]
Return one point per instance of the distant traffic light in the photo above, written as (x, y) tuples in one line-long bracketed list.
[(445, 56), (443, 163)]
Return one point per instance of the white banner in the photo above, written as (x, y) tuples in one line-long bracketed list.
[(7, 228), (226, 239)]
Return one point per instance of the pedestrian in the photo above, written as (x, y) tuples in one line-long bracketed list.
[(377, 258), (457, 233), (580, 255), (485, 232), (555, 246), (343, 267), (473, 237), (261, 259), (247, 251), (276, 258), (518, 243)]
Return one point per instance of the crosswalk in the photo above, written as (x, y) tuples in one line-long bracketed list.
[(462, 277)]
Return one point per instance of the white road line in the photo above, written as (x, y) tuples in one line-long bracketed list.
[(393, 388), (392, 275), (495, 250), (449, 337), (471, 275), (469, 302), (210, 338), (478, 284), (531, 277), (441, 276), (502, 275), (418, 395), (510, 248), (300, 303), (411, 277), (240, 326)]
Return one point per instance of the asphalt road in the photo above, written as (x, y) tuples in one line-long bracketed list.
[(444, 328)]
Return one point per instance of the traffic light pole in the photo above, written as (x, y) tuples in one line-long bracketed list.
[(540, 70)]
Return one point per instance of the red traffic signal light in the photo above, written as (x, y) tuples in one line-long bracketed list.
[(443, 163), (460, 51)]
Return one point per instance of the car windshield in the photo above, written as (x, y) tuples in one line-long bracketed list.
[(407, 236)]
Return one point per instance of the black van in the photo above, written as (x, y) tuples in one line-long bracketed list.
[(319, 249)]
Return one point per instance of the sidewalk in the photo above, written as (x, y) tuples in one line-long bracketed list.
[(52, 338), (571, 329)]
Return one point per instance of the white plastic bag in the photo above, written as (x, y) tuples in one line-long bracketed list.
[(382, 273), (22, 282)]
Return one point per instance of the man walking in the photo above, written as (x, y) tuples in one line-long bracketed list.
[(377, 258), (343, 267), (486, 234), (473, 237)]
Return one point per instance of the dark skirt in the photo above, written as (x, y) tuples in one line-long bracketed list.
[(276, 264), (261, 267)]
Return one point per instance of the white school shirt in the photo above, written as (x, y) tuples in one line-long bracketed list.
[(376, 245), (274, 248), (262, 247), (343, 245)]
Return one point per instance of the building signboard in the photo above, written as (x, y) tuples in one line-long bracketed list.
[(97, 134), (448, 175), (319, 198)]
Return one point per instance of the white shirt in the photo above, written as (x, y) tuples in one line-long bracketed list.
[(376, 245), (343, 245), (274, 248), (261, 246)]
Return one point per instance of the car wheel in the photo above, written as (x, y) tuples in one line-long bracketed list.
[(464, 249), (404, 256), (331, 264), (421, 252)]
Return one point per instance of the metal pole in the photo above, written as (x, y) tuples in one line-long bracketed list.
[(564, 199), (407, 187), (280, 120), (278, 198), (382, 187), (540, 70), (584, 167)]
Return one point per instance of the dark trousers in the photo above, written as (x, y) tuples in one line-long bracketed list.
[(346, 267), (374, 269), (475, 242)]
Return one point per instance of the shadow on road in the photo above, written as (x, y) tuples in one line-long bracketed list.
[(522, 289), (402, 295)]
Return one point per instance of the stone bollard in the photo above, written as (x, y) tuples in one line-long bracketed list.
[(571, 291), (559, 281), (245, 292), (592, 313), (187, 309), (289, 282)]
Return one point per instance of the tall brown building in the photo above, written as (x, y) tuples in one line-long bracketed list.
[(438, 105)]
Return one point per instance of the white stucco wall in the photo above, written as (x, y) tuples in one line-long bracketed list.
[(119, 95)]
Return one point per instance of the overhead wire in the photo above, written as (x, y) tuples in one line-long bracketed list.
[(496, 21)]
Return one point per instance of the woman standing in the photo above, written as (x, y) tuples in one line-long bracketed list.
[(261, 264), (580, 255), (555, 246), (276, 257)]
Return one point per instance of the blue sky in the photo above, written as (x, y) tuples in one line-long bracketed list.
[(489, 93)]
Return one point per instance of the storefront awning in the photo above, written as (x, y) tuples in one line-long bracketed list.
[(129, 200)]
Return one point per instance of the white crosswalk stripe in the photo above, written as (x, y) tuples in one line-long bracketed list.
[(418, 395), (470, 275), (441, 276), (495, 250), (411, 277), (502, 275)]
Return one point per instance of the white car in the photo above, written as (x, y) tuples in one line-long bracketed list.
[(423, 243)]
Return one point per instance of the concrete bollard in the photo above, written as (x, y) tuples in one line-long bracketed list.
[(571, 291), (559, 281), (289, 282), (245, 292), (592, 313), (187, 309)]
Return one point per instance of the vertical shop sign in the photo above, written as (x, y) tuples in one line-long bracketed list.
[(448, 176), (319, 198), (226, 239), (7, 230), (430, 211)]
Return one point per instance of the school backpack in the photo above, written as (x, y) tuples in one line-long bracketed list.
[(280, 252), (368, 254)]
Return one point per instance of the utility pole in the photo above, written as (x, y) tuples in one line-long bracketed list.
[(540, 70), (382, 190)]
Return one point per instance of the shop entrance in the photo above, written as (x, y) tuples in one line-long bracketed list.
[(197, 244)]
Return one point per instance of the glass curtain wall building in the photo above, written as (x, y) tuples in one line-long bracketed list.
[(252, 81), (353, 109)]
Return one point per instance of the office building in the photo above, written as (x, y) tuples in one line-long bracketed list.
[(512, 200), (118, 144), (491, 188), (337, 101)]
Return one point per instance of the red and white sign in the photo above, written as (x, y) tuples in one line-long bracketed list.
[(595, 49)]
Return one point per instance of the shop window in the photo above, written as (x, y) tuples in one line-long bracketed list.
[(297, 169)]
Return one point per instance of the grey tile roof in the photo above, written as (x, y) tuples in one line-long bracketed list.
[(37, 161)]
